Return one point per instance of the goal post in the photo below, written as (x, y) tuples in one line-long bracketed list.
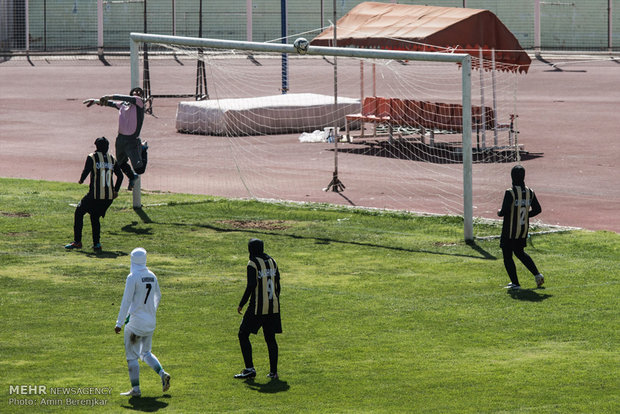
[(462, 59)]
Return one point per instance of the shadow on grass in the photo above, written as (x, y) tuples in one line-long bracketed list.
[(481, 253), (143, 216), (528, 295), (271, 387), (146, 404), (131, 228), (101, 255), (108, 254), (486, 255)]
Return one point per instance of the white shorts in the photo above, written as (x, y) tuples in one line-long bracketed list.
[(137, 346)]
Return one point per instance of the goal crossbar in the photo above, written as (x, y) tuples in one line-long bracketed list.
[(464, 60)]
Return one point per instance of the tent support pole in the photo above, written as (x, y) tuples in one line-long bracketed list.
[(483, 115), (335, 184), (495, 138)]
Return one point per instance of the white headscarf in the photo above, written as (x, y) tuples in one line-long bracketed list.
[(138, 259)]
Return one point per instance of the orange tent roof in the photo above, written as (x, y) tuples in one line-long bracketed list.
[(429, 29)]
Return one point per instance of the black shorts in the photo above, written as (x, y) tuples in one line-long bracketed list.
[(252, 323), (129, 148), (94, 207), (512, 244)]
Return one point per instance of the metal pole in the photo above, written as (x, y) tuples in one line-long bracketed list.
[(289, 48), (27, 29), (482, 111), (496, 117), (374, 79), (248, 20), (44, 25), (174, 18), (335, 184), (609, 25), (146, 77), (362, 82), (134, 58), (100, 27), (283, 13), (144, 14), (468, 211), (537, 26), (335, 75), (202, 91)]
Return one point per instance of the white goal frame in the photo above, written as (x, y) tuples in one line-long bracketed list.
[(463, 59)]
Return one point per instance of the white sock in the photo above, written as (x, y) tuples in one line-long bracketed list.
[(153, 362), (134, 373)]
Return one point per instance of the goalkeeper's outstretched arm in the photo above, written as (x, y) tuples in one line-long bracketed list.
[(103, 101)]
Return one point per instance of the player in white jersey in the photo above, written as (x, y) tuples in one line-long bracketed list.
[(138, 309)]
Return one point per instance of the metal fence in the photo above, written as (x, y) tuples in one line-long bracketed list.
[(98, 25)]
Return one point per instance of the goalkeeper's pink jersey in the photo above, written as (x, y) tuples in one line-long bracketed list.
[(128, 117)]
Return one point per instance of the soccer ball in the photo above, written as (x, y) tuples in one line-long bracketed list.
[(301, 46)]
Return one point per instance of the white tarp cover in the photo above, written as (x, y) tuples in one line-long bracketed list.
[(277, 114)]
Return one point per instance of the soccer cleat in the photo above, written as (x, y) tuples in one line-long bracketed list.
[(512, 286), (73, 245), (273, 375), (97, 247), (165, 382), (246, 373), (132, 393), (539, 280)]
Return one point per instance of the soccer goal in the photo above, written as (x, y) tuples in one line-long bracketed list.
[(383, 129)]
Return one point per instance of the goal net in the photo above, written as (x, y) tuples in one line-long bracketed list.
[(358, 127)]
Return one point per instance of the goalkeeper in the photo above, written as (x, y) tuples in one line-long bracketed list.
[(128, 145)]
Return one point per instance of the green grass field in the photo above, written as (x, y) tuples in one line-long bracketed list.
[(382, 312)]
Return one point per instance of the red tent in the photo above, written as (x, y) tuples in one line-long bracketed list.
[(428, 29)]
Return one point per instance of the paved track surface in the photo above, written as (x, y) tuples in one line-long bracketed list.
[(568, 113)]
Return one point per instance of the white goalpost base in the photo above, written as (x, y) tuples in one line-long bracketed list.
[(463, 60)]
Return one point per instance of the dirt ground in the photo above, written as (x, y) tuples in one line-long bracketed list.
[(568, 113)]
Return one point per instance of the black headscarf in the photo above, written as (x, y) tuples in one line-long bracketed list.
[(518, 176), (102, 144), (256, 247)]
